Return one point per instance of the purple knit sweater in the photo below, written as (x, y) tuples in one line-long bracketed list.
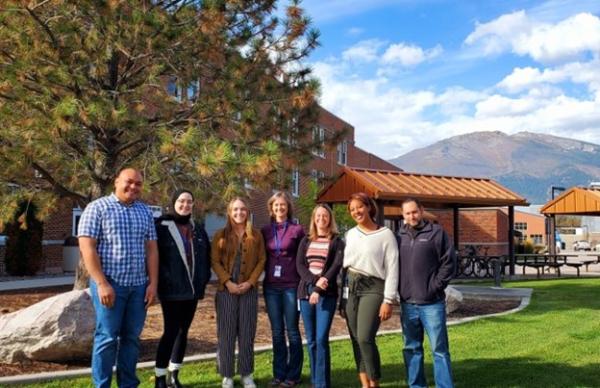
[(289, 242)]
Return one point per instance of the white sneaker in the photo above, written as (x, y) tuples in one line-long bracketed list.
[(248, 382), (227, 382)]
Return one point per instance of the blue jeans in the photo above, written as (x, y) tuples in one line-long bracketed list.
[(432, 318), (117, 335), (317, 322), (282, 308)]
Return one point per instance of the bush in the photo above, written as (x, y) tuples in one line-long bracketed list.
[(24, 245), (528, 246)]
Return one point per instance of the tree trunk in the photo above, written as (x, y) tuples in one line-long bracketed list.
[(82, 277)]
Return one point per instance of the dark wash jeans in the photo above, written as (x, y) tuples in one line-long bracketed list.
[(282, 308), (317, 323)]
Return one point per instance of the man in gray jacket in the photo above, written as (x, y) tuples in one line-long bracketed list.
[(427, 263)]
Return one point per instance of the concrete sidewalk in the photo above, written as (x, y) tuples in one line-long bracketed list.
[(482, 292), (23, 284)]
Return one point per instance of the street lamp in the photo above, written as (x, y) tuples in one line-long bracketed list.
[(552, 226)]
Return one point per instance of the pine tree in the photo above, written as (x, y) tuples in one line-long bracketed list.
[(209, 95), (205, 94)]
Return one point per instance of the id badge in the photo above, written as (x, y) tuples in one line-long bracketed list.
[(277, 271), (345, 293)]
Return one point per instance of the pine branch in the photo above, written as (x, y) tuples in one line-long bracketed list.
[(59, 189)]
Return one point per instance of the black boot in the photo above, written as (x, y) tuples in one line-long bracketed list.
[(173, 380), (160, 381)]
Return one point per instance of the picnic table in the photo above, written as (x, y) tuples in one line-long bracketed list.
[(589, 258), (542, 261)]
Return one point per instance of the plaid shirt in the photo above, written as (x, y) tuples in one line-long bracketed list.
[(121, 232)]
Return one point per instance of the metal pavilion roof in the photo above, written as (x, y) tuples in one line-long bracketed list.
[(435, 191), (576, 201)]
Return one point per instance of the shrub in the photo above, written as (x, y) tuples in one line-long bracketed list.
[(528, 246), (24, 246)]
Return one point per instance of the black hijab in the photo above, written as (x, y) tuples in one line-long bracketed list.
[(178, 218)]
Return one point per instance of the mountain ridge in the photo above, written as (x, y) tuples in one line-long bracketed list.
[(525, 162)]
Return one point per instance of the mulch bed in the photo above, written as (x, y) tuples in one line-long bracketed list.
[(202, 336)]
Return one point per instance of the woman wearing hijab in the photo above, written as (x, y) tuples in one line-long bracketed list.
[(184, 271)]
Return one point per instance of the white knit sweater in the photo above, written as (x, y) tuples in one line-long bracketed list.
[(375, 254)]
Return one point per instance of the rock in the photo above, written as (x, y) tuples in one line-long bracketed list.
[(454, 299), (59, 328)]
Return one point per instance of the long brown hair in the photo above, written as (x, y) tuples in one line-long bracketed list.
[(333, 228), (230, 241)]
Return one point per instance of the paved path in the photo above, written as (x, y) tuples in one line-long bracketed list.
[(37, 282), (481, 292)]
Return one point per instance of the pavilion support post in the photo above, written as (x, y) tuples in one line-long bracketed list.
[(455, 226), (511, 238), (380, 213), (552, 234)]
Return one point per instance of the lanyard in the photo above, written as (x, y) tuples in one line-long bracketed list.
[(277, 240)]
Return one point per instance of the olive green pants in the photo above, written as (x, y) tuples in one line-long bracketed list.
[(365, 295)]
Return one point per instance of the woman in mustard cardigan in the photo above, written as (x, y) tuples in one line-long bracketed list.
[(238, 259)]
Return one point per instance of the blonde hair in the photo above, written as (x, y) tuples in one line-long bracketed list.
[(288, 200), (333, 228), (230, 241)]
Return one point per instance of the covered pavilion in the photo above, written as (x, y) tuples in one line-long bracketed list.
[(390, 188), (576, 201)]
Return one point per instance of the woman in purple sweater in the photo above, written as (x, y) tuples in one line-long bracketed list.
[(282, 238)]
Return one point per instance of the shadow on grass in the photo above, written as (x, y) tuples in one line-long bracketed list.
[(488, 373), (523, 372)]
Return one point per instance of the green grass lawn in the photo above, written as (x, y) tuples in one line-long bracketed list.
[(555, 342)]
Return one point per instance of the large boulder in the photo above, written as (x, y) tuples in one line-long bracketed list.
[(59, 328), (454, 299)]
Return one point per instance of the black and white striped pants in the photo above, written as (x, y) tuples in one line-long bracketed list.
[(236, 319)]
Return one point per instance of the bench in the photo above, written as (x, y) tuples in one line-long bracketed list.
[(575, 264), (539, 262)]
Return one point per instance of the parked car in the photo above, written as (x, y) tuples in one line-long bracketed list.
[(582, 245), (597, 247)]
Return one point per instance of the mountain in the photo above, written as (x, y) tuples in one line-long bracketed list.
[(527, 163)]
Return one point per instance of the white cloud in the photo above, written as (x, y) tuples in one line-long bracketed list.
[(409, 55), (584, 73), (544, 42), (363, 51), (496, 36), (396, 54), (390, 120), (355, 31)]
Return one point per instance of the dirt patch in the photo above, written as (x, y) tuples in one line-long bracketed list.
[(202, 336)]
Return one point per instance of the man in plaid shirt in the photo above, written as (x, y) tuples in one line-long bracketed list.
[(118, 244)]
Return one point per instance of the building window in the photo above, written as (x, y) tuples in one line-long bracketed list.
[(295, 183), (342, 152), (319, 141), (291, 137), (537, 238), (75, 220), (156, 211), (521, 226), (189, 93), (317, 176), (192, 90)]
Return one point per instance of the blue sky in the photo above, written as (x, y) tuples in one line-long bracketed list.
[(407, 73)]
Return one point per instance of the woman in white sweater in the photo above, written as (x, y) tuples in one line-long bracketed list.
[(371, 264)]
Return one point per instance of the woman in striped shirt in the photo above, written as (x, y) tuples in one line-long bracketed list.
[(319, 260)]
